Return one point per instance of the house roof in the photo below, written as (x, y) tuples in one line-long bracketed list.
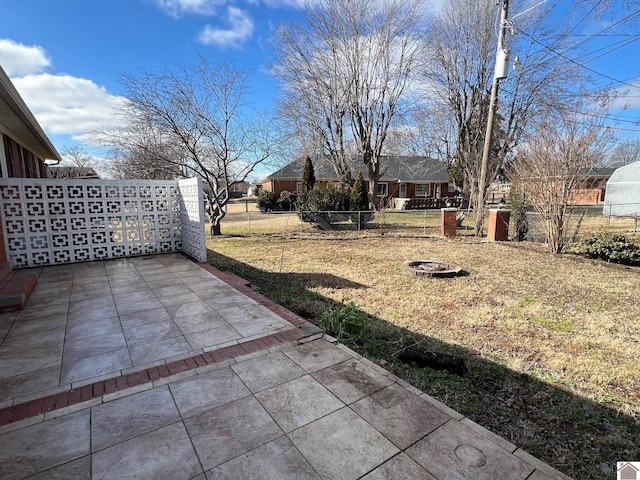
[(73, 172), (412, 169), (600, 172), (17, 121)]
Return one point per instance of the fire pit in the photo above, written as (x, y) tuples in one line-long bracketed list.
[(431, 268)]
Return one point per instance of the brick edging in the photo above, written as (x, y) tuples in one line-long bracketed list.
[(244, 287), (95, 390)]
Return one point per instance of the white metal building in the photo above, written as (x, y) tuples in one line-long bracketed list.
[(622, 198)]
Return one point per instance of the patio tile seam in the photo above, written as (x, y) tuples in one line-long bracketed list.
[(112, 385), (85, 393)]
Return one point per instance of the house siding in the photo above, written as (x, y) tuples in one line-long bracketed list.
[(586, 196), (21, 162), (278, 186)]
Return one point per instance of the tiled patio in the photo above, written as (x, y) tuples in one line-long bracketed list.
[(306, 408), (90, 321)]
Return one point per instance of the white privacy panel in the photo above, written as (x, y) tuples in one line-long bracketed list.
[(48, 222), (192, 218)]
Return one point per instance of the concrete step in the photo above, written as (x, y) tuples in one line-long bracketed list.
[(15, 288)]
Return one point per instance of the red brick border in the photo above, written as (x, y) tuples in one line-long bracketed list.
[(43, 405)]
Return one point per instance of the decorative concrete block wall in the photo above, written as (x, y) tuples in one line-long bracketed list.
[(49, 222), (192, 219)]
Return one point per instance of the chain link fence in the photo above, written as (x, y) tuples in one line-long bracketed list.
[(388, 222), (582, 221), (244, 219)]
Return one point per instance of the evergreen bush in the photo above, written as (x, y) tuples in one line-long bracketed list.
[(519, 213), (359, 201), (308, 176), (320, 204), (608, 246), (266, 201), (286, 202)]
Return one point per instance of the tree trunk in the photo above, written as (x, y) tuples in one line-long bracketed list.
[(215, 229)]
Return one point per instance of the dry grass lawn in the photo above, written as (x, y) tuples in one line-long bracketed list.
[(521, 315)]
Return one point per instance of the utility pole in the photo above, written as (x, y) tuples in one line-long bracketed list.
[(500, 73)]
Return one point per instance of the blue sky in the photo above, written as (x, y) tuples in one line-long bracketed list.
[(67, 57)]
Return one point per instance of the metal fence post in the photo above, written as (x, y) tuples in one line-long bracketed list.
[(425, 223)]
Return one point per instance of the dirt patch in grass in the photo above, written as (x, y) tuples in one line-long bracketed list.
[(551, 344)]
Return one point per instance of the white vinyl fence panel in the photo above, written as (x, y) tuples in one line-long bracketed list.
[(192, 219), (49, 222)]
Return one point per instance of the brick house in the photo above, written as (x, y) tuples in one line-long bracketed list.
[(591, 193), (25, 147), (593, 190), (407, 181), (85, 173)]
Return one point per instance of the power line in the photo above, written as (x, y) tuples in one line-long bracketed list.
[(581, 65)]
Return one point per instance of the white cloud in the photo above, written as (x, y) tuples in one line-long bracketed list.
[(67, 105), (19, 59), (626, 99), (175, 8), (62, 104), (241, 29)]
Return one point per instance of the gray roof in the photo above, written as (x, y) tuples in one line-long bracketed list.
[(411, 169), (73, 172), (622, 198), (602, 172)]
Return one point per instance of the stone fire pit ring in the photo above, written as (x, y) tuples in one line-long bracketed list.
[(431, 268)]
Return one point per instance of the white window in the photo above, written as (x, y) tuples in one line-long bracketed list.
[(451, 188), (298, 187), (423, 189), (383, 189)]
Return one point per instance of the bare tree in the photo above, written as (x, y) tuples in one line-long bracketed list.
[(77, 156), (129, 162), (192, 122), (555, 161), (77, 162), (346, 73), (460, 73), (625, 152)]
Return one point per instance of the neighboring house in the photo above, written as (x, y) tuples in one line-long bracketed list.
[(254, 189), (593, 191), (25, 147), (406, 182), (73, 172), (239, 189), (623, 192)]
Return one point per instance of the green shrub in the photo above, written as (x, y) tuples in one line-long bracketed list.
[(612, 247), (318, 205), (308, 176), (286, 201), (266, 201), (519, 212), (359, 201), (347, 323)]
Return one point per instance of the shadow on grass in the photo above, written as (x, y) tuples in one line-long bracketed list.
[(577, 436)]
